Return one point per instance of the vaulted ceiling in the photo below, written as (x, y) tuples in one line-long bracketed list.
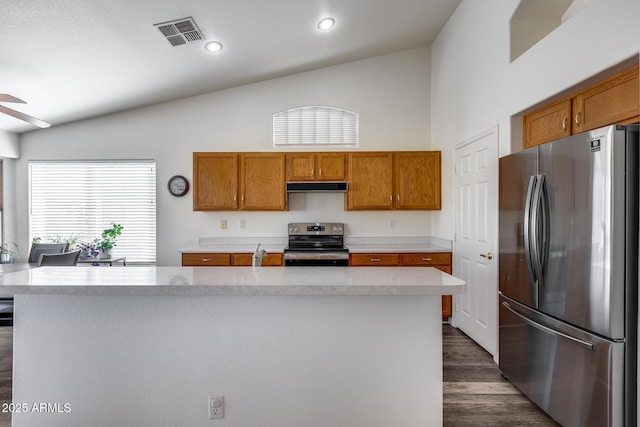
[(74, 59)]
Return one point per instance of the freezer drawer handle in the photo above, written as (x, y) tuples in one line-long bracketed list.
[(586, 344)]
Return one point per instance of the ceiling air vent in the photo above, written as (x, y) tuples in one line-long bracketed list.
[(180, 31)]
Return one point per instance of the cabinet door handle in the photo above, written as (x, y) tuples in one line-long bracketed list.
[(398, 198), (375, 260), (320, 172), (578, 118), (427, 259), (235, 198), (564, 124), (206, 259), (391, 199)]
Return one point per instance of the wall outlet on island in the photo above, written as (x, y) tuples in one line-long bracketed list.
[(242, 224), (223, 224), (392, 223), (216, 407)]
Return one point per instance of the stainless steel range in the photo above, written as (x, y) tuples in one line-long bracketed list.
[(316, 244)]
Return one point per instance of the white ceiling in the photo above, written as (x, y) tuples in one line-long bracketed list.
[(74, 59)]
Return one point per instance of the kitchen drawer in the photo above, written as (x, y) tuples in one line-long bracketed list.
[(374, 259), (196, 259), (427, 258), (270, 260)]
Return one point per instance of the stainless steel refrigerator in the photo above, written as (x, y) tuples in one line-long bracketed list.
[(569, 276)]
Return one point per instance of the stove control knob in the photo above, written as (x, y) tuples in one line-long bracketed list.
[(293, 229)]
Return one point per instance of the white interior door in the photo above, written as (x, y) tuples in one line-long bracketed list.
[(476, 187)]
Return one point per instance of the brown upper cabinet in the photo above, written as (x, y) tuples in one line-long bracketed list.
[(417, 180), (262, 179), (615, 100), (548, 123), (215, 181), (316, 167), (611, 101), (394, 180), (239, 181), (370, 181), (380, 180)]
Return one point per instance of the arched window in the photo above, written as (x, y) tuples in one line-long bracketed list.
[(315, 125)]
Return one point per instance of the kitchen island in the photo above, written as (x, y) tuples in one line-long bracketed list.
[(285, 346)]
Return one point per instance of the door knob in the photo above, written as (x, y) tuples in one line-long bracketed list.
[(488, 255)]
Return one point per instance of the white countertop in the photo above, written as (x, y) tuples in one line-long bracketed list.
[(234, 248), (247, 281), (354, 244), (353, 248), (237, 245)]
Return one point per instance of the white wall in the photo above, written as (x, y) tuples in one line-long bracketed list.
[(474, 87), (391, 94), (9, 146), (280, 361)]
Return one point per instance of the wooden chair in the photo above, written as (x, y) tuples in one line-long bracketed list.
[(65, 258)]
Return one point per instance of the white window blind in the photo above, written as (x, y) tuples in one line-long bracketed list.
[(82, 198), (315, 125)]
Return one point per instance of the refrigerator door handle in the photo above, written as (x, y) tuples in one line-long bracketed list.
[(527, 236), (586, 344), (537, 239), (546, 217)]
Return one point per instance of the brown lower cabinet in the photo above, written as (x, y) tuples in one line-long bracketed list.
[(439, 260), (228, 259)]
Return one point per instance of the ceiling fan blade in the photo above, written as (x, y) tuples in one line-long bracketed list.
[(8, 98), (25, 117)]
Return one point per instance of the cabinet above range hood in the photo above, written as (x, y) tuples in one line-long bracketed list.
[(316, 187)]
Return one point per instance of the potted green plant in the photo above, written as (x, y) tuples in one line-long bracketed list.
[(8, 252), (107, 241), (72, 240)]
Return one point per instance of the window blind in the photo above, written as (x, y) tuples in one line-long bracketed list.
[(315, 125), (82, 198)]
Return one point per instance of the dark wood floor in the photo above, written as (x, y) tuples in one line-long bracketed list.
[(6, 364), (474, 392)]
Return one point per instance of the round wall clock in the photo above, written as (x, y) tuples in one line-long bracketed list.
[(178, 185)]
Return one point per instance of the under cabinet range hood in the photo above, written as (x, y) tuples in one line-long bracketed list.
[(316, 187)]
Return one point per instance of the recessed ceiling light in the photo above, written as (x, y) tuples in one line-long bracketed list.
[(213, 46), (326, 24)]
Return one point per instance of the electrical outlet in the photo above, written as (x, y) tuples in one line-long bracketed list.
[(216, 407), (223, 224), (242, 223)]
